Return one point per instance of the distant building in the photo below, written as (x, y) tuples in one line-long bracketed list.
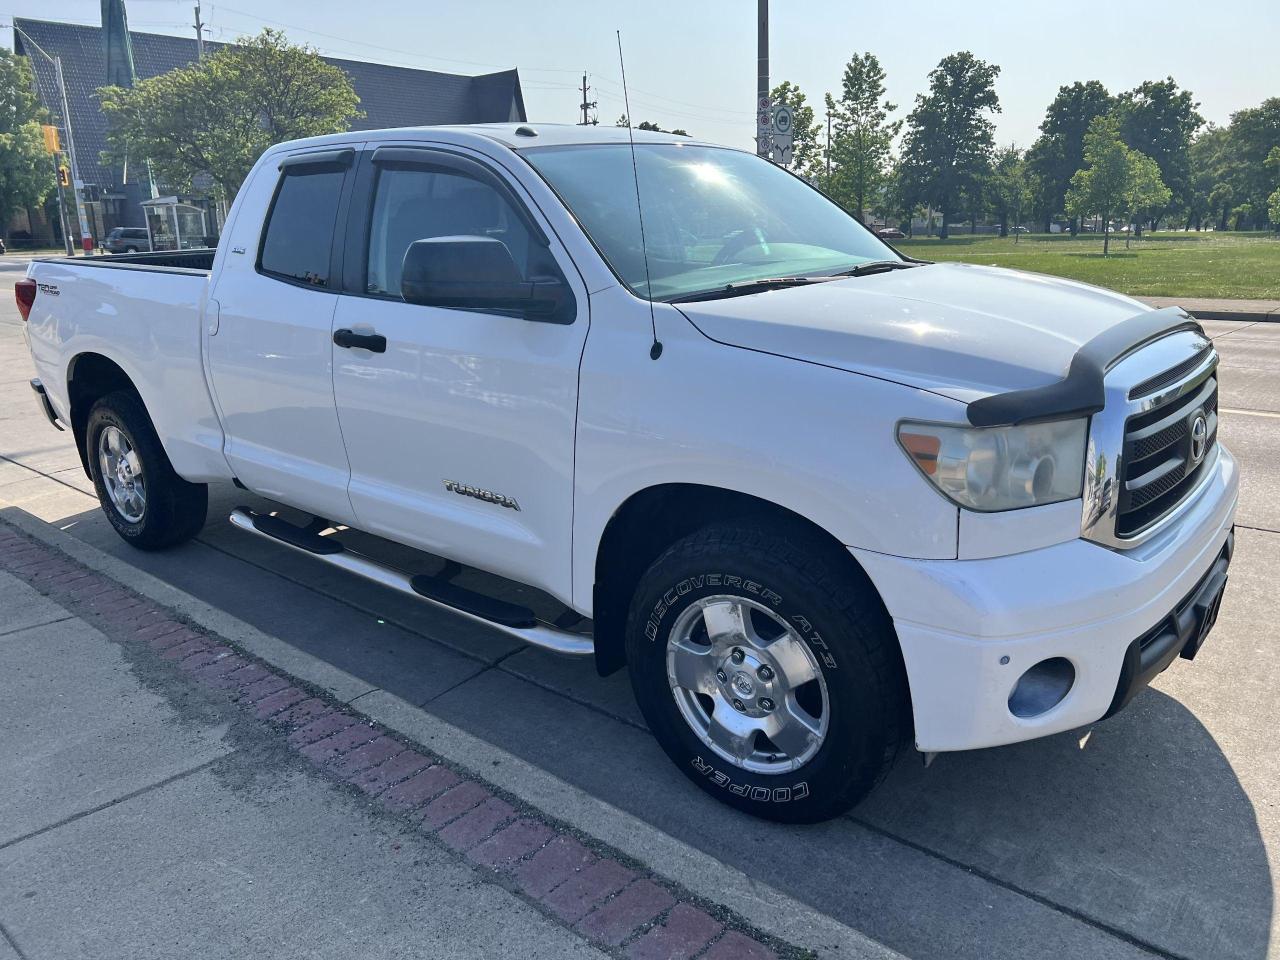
[(389, 96)]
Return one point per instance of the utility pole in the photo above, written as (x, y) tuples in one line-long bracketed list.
[(199, 34), (763, 136), (828, 184), (587, 105), (86, 236), (62, 207)]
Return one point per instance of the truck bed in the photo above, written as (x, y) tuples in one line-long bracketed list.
[(195, 261), (143, 313)]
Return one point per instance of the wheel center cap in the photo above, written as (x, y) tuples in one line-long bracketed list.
[(743, 685)]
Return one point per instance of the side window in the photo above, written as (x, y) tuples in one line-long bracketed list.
[(416, 203), (299, 232)]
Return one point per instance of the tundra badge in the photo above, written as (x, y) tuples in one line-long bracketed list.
[(488, 496)]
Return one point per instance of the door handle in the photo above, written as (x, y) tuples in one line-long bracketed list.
[(373, 342)]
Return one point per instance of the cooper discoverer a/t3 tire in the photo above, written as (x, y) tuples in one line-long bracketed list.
[(149, 505), (768, 670)]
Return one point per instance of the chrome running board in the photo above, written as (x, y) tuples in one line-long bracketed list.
[(513, 620)]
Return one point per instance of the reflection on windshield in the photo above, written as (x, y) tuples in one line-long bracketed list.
[(712, 216)]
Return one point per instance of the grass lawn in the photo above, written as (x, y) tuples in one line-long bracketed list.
[(1235, 265)]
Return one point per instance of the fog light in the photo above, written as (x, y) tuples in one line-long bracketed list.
[(1042, 687)]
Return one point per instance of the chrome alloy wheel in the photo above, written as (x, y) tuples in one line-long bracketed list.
[(747, 685), (122, 474)]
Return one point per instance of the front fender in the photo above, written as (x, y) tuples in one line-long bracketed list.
[(817, 441)]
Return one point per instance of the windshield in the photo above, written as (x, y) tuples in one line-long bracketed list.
[(712, 216)]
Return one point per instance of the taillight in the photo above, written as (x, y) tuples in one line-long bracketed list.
[(24, 291)]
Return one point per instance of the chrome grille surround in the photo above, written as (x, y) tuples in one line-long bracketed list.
[(1102, 519)]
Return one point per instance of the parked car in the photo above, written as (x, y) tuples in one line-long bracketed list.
[(891, 233), (821, 501), (127, 240), (1019, 229)]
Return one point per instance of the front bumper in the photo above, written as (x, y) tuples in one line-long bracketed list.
[(969, 629)]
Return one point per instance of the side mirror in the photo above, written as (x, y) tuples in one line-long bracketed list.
[(479, 273)]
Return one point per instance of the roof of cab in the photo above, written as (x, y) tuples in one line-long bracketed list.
[(515, 136)]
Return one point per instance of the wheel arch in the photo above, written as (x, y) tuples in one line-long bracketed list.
[(90, 377), (653, 518)]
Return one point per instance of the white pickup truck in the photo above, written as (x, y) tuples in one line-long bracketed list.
[(820, 499)]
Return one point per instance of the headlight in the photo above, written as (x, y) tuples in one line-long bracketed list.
[(999, 468)]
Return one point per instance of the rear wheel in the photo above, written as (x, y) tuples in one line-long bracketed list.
[(149, 505), (769, 671)]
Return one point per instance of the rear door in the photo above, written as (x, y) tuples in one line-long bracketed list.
[(269, 338), (460, 433)]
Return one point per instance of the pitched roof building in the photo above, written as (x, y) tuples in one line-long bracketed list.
[(389, 96)]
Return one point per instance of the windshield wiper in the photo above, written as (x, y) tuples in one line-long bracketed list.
[(880, 266), (748, 286)]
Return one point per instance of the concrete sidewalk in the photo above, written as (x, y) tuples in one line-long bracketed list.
[(163, 795), (1208, 308)]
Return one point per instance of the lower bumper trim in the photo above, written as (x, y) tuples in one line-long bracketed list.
[(1181, 633)]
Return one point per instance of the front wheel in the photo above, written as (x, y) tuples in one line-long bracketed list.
[(769, 671), (148, 504)]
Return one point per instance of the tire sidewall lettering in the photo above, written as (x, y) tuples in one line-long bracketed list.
[(752, 589), (760, 794)]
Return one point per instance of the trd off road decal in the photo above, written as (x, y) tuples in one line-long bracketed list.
[(797, 791)]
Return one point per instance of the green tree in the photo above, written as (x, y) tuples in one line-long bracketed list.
[(1159, 119), (862, 133), (806, 153), (215, 117), (1059, 151), (1254, 134), (1208, 156), (1009, 187), (1101, 187), (1273, 201), (1147, 192), (649, 125), (26, 172), (1115, 181), (950, 137), (893, 202)]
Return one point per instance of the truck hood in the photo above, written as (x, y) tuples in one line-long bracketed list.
[(960, 330)]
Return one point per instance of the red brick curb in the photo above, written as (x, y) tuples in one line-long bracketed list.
[(621, 909)]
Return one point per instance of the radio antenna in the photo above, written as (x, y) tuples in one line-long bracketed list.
[(655, 351)]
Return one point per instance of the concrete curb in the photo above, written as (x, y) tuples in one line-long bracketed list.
[(770, 910), (1243, 311)]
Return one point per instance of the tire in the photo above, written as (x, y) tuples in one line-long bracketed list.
[(828, 621), (150, 506), (130, 249)]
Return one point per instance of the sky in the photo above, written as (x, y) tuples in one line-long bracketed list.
[(691, 63)]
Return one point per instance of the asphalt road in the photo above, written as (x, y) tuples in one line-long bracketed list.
[(1156, 833)]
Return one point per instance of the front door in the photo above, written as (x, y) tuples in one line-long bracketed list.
[(460, 433)]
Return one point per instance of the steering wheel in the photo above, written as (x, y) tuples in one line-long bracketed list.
[(738, 240)]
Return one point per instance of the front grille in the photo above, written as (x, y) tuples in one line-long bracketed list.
[(1172, 375), (1157, 471)]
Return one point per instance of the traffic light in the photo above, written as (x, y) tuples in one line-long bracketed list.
[(51, 143), (64, 176)]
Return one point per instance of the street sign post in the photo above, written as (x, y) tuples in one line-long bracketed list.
[(783, 133)]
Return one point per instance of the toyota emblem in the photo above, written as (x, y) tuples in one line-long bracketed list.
[(1199, 437)]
